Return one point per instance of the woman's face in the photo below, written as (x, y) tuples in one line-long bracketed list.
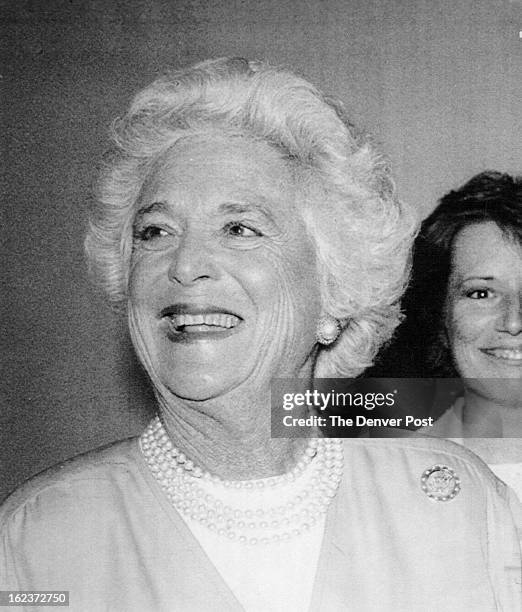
[(223, 282), (484, 308)]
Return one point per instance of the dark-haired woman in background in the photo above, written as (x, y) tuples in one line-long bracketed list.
[(465, 303)]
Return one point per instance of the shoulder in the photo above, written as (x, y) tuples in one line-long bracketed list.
[(88, 475), (416, 455), (446, 487), (72, 521), (438, 506)]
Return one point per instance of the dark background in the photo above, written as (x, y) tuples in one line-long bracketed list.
[(439, 84)]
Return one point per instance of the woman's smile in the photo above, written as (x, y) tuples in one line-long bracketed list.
[(191, 323), (509, 355)]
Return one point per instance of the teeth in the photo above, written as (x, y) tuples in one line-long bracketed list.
[(213, 319), (514, 354)]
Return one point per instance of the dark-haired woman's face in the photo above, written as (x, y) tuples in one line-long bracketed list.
[(484, 306)]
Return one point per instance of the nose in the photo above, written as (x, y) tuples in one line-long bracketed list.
[(192, 262), (512, 316)]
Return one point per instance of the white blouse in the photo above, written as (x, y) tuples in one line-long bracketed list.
[(276, 577)]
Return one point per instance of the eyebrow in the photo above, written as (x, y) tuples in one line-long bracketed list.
[(475, 278), (236, 208), (233, 208), (149, 208)]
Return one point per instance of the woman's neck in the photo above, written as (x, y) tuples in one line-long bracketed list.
[(229, 437), (487, 418), (493, 430)]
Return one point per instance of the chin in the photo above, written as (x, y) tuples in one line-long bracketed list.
[(198, 386), (505, 391)]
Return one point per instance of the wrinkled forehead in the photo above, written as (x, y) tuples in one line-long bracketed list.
[(216, 165)]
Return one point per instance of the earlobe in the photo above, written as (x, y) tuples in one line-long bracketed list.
[(328, 330)]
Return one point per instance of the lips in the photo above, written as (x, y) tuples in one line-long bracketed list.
[(508, 354), (196, 321)]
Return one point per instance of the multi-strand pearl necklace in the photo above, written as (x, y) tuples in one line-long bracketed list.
[(184, 485)]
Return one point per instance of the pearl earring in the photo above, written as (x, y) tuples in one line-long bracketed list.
[(328, 330)]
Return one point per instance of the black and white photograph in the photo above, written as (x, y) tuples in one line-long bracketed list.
[(261, 300)]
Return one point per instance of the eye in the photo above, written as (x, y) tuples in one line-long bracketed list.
[(480, 294), (240, 230), (153, 237), (150, 232)]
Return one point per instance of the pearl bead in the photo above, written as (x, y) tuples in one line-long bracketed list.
[(179, 478)]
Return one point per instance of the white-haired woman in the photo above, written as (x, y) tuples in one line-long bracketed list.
[(251, 235)]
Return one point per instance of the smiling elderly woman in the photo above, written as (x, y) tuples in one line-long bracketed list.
[(251, 235)]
